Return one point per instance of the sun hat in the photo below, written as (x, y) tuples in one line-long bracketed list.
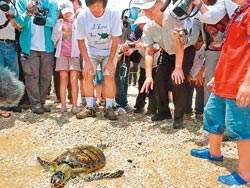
[(147, 4)]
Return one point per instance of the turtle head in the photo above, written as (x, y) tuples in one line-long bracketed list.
[(57, 179)]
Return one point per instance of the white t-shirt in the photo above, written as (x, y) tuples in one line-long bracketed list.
[(98, 32), (9, 31), (37, 42), (198, 61)]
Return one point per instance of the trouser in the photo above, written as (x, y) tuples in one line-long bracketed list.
[(141, 97), (164, 83), (122, 83), (199, 99), (38, 69)]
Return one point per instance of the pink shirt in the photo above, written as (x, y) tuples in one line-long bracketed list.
[(67, 40)]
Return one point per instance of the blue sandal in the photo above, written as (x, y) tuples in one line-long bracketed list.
[(205, 154), (232, 179)]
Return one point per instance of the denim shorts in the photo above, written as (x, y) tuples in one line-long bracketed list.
[(223, 114)]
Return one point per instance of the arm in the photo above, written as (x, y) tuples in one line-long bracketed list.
[(211, 14), (23, 17), (178, 75), (88, 67), (243, 95), (53, 14), (57, 31), (149, 61)]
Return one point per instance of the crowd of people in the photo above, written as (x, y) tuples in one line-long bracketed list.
[(97, 51)]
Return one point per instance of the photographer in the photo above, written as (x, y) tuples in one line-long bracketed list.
[(37, 19), (8, 54), (176, 62)]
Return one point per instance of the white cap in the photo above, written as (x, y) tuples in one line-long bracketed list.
[(66, 7), (147, 4)]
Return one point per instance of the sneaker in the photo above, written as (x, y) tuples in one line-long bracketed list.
[(121, 111), (178, 123), (37, 110), (160, 117), (15, 109), (110, 114), (46, 109), (75, 110), (87, 112), (129, 109)]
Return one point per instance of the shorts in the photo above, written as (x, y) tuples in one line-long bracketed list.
[(223, 114), (102, 60), (67, 63)]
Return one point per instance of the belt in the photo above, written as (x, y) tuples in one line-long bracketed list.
[(8, 41)]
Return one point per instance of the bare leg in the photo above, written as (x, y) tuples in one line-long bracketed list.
[(63, 86), (98, 88), (244, 159), (215, 144), (88, 85), (74, 87), (109, 89)]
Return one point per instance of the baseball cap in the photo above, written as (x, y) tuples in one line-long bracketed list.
[(66, 7), (147, 4)]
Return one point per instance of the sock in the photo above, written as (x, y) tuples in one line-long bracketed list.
[(109, 102), (90, 101)]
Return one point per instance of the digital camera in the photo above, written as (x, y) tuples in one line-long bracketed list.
[(40, 13)]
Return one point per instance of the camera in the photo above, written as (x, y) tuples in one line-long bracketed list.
[(181, 8), (131, 44), (40, 13), (4, 5)]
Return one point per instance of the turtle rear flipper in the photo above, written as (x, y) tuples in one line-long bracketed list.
[(47, 165), (102, 175)]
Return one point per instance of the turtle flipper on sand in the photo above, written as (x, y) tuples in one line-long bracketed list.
[(80, 161)]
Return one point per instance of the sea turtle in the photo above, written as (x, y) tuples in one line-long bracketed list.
[(78, 161), (103, 35)]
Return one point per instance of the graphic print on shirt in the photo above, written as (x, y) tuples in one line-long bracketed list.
[(99, 34)]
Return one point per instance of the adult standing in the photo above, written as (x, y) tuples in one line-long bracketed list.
[(37, 48), (8, 54), (98, 34), (176, 62)]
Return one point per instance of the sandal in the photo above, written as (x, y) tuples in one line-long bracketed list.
[(4, 114)]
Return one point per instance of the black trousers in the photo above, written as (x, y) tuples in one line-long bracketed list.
[(164, 83), (141, 97)]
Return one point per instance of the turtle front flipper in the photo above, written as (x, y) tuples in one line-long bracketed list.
[(47, 165), (101, 175)]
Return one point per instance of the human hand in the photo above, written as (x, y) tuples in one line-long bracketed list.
[(88, 69), (29, 8), (148, 83), (210, 84), (199, 79), (178, 76), (110, 67), (243, 95), (190, 79), (196, 2)]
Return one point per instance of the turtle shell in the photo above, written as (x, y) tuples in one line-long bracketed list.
[(85, 156)]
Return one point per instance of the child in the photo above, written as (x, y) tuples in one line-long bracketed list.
[(196, 78), (228, 106), (67, 55)]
